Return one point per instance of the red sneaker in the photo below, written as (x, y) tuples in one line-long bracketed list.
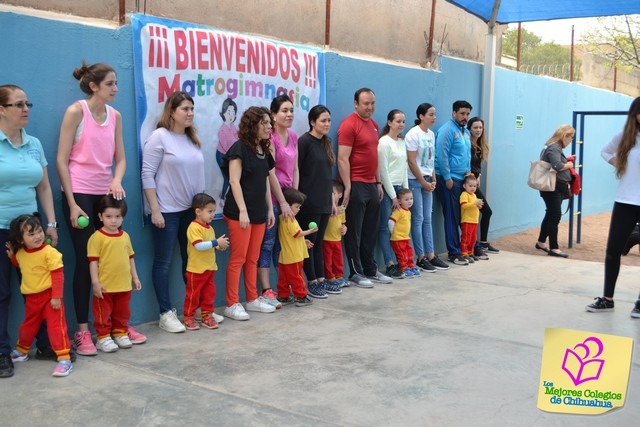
[(209, 322), (272, 298), (191, 324)]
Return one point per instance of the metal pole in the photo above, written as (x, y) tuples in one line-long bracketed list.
[(121, 12), (581, 173), (327, 23), (518, 47), (431, 30), (572, 46)]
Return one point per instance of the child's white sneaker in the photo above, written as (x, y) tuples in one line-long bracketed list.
[(106, 345), (123, 341)]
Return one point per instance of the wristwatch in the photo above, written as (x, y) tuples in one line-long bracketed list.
[(52, 225)]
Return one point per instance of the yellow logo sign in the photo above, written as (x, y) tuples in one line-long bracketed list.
[(583, 372)]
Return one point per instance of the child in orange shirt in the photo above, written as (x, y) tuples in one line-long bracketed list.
[(42, 286)]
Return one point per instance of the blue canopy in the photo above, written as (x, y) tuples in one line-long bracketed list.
[(544, 10)]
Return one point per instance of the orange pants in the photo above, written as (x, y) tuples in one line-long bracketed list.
[(36, 308), (291, 274), (333, 259), (404, 253), (468, 238), (201, 292), (244, 255)]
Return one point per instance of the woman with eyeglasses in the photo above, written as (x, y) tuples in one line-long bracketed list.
[(90, 141), (23, 180)]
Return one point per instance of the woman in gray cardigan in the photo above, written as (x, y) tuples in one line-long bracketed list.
[(553, 154)]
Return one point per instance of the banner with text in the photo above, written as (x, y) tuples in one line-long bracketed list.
[(225, 73)]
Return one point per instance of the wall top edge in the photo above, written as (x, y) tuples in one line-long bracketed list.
[(56, 16)]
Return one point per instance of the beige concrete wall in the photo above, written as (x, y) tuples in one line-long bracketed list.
[(391, 29), (596, 72)]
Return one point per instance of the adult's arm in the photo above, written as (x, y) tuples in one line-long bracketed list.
[(70, 122), (45, 197), (383, 169), (344, 169), (554, 155), (443, 146), (152, 154), (115, 188), (415, 170), (235, 173), (610, 151)]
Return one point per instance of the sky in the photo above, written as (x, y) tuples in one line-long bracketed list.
[(558, 31)]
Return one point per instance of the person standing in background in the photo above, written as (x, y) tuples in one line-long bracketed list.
[(90, 141)]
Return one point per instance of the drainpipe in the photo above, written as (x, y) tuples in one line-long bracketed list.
[(327, 23), (431, 30)]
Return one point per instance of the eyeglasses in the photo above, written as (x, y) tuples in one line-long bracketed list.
[(19, 105)]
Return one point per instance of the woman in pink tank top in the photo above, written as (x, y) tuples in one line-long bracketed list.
[(90, 142)]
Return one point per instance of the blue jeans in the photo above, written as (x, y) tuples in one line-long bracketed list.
[(384, 235), (421, 211), (450, 201), (164, 241), (270, 249)]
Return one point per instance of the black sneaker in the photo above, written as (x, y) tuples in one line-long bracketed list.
[(470, 259), (394, 272), (489, 249), (438, 263), (601, 304), (285, 301), (6, 365), (304, 301), (458, 260), (480, 254), (424, 265), (635, 313), (49, 354)]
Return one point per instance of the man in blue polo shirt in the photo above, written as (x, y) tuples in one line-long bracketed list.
[(453, 161)]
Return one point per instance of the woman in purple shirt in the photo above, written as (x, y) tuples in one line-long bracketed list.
[(172, 173)]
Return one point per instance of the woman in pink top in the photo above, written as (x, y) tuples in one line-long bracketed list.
[(284, 149), (90, 140)]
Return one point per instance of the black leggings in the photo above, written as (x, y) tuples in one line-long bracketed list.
[(81, 276), (485, 219), (314, 265), (552, 215), (623, 218)]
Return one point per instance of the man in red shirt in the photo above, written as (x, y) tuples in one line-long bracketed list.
[(358, 168)]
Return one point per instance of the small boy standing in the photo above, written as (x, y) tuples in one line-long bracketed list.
[(400, 228), (332, 243), (294, 251), (201, 264), (469, 216), (112, 270)]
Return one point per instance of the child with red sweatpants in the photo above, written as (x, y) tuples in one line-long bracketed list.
[(42, 286), (292, 254), (469, 216), (201, 264), (332, 243), (400, 228), (112, 270)]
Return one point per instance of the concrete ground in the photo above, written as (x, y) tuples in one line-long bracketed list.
[(455, 348)]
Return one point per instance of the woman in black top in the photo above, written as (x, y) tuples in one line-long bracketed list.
[(479, 153), (315, 162)]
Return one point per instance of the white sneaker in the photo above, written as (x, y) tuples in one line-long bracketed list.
[(260, 305), (170, 323), (123, 341), (236, 312), (217, 317), (107, 345)]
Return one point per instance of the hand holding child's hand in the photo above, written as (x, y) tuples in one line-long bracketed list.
[(98, 289), (223, 242), (56, 303)]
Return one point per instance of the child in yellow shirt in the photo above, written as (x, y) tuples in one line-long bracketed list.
[(469, 216), (332, 243), (201, 264)]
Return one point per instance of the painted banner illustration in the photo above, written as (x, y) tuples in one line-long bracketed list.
[(225, 73)]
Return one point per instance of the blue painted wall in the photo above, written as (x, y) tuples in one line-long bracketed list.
[(42, 54)]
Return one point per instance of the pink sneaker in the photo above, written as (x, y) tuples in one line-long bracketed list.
[(272, 298), (136, 337), (84, 344)]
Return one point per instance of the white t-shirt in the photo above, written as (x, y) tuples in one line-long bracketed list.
[(424, 143), (628, 191)]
